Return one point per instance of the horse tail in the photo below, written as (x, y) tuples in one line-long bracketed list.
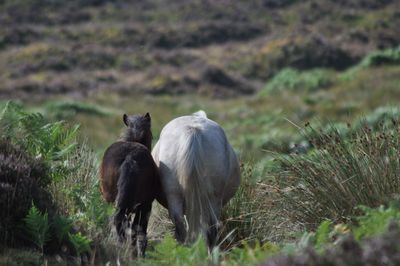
[(126, 183), (200, 113), (195, 188)]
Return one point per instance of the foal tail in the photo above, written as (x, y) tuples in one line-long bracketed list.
[(126, 184), (196, 188)]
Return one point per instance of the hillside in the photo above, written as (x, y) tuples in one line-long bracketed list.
[(214, 48)]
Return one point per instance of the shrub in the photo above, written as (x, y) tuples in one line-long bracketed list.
[(50, 142), (43, 164), (340, 174), (20, 179)]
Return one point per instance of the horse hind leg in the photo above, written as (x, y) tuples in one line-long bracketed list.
[(175, 208), (175, 201), (212, 230), (212, 233)]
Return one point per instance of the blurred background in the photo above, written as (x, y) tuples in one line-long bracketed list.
[(263, 69), (260, 68)]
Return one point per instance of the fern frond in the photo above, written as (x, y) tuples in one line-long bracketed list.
[(9, 118), (37, 227), (62, 226), (80, 242)]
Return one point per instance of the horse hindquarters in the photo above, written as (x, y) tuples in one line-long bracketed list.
[(202, 209), (197, 167)]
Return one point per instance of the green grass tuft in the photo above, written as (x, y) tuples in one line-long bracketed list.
[(59, 110), (340, 173), (294, 80), (389, 56)]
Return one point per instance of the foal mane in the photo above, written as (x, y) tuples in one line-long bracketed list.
[(129, 136)]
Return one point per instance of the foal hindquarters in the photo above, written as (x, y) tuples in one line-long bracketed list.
[(135, 187)]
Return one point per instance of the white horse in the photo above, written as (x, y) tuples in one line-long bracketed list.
[(199, 173)]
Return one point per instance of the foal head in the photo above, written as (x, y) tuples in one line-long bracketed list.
[(138, 129)]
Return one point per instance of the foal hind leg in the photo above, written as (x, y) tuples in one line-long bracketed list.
[(119, 222), (139, 229), (124, 198)]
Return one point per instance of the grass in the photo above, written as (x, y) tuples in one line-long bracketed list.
[(245, 217), (361, 168)]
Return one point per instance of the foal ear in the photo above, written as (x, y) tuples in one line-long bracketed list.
[(147, 116), (125, 118)]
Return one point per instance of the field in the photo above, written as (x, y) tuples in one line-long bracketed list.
[(306, 91)]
